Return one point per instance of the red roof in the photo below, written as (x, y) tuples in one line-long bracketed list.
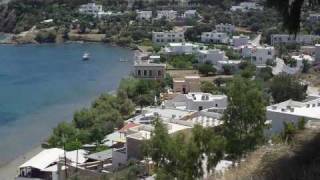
[(126, 127)]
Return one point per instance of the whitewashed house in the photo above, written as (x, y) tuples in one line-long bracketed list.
[(234, 64), (181, 48), (167, 37), (293, 111), (211, 55), (215, 37), (314, 17), (317, 53), (144, 15), (167, 14), (197, 101), (302, 57), (228, 28), (92, 9), (259, 55), (246, 6), (190, 14), (241, 40), (292, 39)]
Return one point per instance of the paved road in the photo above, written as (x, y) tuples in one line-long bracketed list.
[(256, 41)]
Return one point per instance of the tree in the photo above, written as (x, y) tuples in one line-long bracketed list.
[(285, 87), (206, 69), (181, 156), (208, 87), (291, 12), (244, 118), (306, 66)]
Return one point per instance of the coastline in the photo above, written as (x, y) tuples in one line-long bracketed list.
[(26, 38), (9, 170)]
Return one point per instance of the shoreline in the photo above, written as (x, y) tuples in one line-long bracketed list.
[(9, 170), (78, 38)]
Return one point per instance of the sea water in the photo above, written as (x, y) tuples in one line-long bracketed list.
[(42, 85)]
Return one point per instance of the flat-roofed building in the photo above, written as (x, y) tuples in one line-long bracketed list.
[(246, 6), (167, 37), (215, 37), (211, 56), (149, 70), (181, 48), (317, 53), (314, 17), (187, 84), (292, 39), (228, 28), (240, 40), (293, 111), (259, 55), (144, 15), (91, 9), (197, 101), (167, 14)]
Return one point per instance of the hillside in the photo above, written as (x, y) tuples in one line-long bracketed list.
[(297, 160)]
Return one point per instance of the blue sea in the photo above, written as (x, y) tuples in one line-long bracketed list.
[(42, 85)]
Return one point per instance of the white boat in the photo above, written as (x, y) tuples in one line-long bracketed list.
[(123, 60), (86, 56)]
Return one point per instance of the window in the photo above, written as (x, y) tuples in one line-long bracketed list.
[(159, 73), (145, 72), (200, 108), (139, 72), (150, 72)]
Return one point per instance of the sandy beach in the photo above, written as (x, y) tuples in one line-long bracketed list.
[(10, 170)]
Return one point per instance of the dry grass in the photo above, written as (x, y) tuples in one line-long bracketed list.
[(180, 74), (298, 160)]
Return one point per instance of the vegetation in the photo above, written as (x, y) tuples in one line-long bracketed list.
[(181, 156), (90, 125), (244, 118), (208, 87), (285, 87), (182, 61), (207, 69), (291, 12)]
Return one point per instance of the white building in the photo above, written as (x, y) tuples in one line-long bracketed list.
[(234, 64), (293, 111), (198, 101), (167, 14), (144, 15), (291, 39), (181, 48), (314, 17), (317, 53), (240, 40), (167, 37), (44, 165), (246, 6), (211, 55), (259, 55), (215, 37), (228, 28), (302, 57), (190, 14), (91, 9)]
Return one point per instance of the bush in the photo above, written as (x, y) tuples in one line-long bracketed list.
[(207, 69), (302, 123)]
